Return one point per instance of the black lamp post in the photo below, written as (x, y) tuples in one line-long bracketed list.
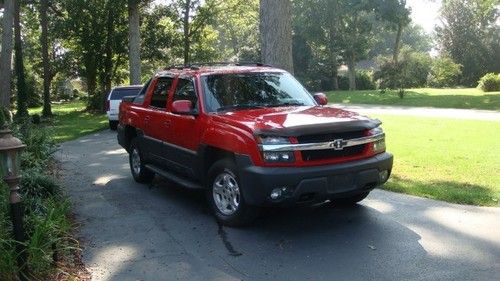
[(10, 167)]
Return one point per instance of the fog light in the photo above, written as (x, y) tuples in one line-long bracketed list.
[(276, 193), (273, 157), (383, 175)]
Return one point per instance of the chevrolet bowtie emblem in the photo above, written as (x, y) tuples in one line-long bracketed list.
[(337, 144)]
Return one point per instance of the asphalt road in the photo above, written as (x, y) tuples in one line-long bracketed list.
[(161, 232)]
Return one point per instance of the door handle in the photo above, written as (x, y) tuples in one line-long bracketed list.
[(167, 123), (146, 119)]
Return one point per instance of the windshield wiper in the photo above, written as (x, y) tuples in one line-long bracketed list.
[(292, 103), (239, 106)]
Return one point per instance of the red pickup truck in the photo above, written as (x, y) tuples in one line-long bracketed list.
[(251, 136)]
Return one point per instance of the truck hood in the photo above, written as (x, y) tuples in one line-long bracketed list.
[(297, 121)]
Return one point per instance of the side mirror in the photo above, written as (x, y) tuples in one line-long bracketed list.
[(321, 98), (183, 107)]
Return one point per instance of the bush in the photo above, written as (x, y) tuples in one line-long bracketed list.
[(410, 71), (489, 82), (8, 265), (364, 81), (47, 222), (444, 73)]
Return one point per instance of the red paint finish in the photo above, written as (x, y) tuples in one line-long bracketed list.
[(234, 131)]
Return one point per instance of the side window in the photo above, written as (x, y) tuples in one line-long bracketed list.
[(160, 93), (140, 96), (185, 91)]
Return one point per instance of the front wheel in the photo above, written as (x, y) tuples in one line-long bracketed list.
[(139, 171), (225, 196)]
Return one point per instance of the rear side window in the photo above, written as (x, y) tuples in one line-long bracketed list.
[(118, 94), (160, 93)]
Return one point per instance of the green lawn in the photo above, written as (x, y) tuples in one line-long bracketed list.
[(70, 121), (442, 98), (452, 160)]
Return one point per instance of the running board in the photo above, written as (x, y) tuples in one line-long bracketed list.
[(177, 179)]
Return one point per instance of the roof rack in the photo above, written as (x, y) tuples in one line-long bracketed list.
[(196, 66)]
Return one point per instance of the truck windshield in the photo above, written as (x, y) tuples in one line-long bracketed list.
[(253, 90)]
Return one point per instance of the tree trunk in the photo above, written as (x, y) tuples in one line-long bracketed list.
[(276, 33), (22, 99), (351, 64), (187, 43), (134, 41), (397, 44), (6, 55), (47, 76), (108, 61), (335, 81)]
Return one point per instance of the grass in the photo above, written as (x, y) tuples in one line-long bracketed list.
[(451, 160), (71, 121), (441, 98)]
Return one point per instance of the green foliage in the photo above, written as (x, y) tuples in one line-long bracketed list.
[(444, 72), (364, 81), (490, 82), (46, 210), (410, 71), (8, 265), (470, 34), (39, 145), (49, 236)]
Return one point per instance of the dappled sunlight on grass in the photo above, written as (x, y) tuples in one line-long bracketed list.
[(441, 98), (71, 121)]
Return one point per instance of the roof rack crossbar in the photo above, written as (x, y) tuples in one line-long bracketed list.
[(196, 66)]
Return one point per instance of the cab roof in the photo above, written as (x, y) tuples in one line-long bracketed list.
[(217, 68)]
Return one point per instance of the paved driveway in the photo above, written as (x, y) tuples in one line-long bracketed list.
[(161, 232)]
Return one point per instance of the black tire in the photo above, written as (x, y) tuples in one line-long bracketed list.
[(349, 201), (137, 166), (113, 125), (223, 176)]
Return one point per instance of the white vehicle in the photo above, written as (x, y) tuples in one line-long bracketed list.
[(115, 98)]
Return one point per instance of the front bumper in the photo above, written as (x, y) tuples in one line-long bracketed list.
[(310, 184)]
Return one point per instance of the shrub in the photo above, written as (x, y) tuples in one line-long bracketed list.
[(444, 73), (490, 82), (364, 81), (46, 220), (8, 264), (410, 71), (39, 145)]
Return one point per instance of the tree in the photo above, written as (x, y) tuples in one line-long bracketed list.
[(22, 107), (96, 34), (469, 33), (238, 30), (276, 33), (342, 31), (134, 39), (44, 41), (194, 17), (6, 55)]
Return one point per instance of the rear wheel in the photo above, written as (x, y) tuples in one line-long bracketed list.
[(139, 171), (349, 201), (225, 196), (113, 125)]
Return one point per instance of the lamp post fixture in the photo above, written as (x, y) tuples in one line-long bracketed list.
[(10, 167)]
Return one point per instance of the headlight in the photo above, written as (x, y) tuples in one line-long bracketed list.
[(275, 156), (378, 146)]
